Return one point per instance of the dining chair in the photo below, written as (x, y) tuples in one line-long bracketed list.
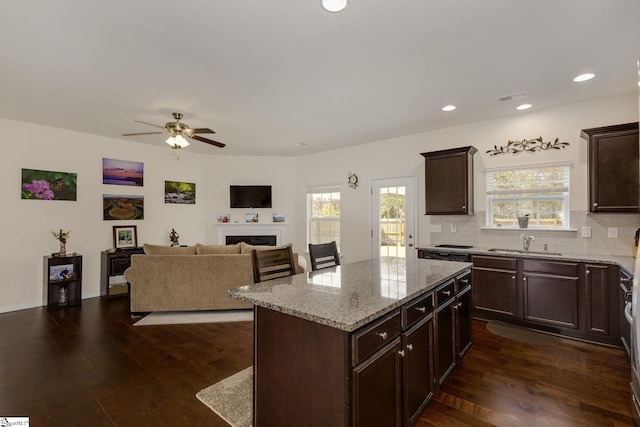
[(272, 263), (323, 255)]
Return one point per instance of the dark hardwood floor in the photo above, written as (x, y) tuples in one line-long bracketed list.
[(89, 366)]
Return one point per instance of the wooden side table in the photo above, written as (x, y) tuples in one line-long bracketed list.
[(63, 281)]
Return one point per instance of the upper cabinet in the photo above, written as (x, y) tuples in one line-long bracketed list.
[(449, 181), (614, 172)]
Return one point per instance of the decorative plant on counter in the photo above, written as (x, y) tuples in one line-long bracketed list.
[(532, 145), (62, 237)]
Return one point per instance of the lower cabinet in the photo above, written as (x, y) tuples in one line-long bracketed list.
[(377, 396), (495, 290), (550, 292), (574, 299), (393, 385), (417, 370)]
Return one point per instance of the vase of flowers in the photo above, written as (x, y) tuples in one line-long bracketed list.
[(62, 237)]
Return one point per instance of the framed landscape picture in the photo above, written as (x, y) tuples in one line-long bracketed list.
[(116, 206), (183, 193), (125, 236), (122, 172), (48, 185)]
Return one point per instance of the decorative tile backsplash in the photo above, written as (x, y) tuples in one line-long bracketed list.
[(471, 230)]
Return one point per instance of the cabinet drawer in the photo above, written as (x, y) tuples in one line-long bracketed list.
[(445, 292), (463, 281), (550, 267), (416, 310), (370, 338), (495, 262)]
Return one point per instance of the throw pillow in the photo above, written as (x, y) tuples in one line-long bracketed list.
[(169, 250), (217, 249)]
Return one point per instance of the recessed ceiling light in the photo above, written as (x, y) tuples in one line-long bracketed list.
[(334, 5), (448, 108), (584, 77), (524, 107)]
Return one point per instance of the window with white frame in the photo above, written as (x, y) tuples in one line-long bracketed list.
[(540, 192), (323, 215)]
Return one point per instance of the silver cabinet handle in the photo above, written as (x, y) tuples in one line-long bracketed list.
[(401, 353), (422, 309), (595, 205), (464, 280), (513, 277), (588, 271), (382, 335), (446, 293), (410, 347)]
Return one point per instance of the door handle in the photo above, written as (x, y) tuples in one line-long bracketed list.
[(627, 313)]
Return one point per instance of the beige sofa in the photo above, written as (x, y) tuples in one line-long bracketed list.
[(190, 278)]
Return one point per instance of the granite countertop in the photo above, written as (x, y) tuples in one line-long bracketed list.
[(349, 296), (626, 262)]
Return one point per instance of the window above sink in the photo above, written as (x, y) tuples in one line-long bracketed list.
[(539, 192)]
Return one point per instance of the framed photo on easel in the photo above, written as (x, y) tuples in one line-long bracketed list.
[(125, 236)]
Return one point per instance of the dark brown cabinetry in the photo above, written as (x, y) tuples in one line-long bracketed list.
[(550, 293), (449, 181), (63, 281), (495, 290), (579, 300), (453, 324), (380, 374), (614, 173), (112, 267)]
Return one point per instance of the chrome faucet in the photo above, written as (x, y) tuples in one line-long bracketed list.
[(527, 242)]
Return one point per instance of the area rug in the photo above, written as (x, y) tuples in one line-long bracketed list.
[(182, 317), (231, 398), (524, 335)]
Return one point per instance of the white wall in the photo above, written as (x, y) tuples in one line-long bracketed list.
[(401, 156), (28, 223)]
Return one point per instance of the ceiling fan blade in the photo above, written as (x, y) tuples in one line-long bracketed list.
[(202, 130), (150, 124), (143, 133), (208, 141)]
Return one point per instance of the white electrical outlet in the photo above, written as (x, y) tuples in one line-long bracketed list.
[(586, 231), (454, 229), (436, 228), (612, 232)]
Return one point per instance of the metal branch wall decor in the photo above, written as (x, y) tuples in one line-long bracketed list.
[(532, 145)]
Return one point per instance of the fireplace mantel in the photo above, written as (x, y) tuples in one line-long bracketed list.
[(251, 229)]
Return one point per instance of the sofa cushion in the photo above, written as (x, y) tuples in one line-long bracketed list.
[(217, 249), (169, 250), (246, 248)]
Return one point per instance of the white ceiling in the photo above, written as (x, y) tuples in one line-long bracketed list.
[(284, 77)]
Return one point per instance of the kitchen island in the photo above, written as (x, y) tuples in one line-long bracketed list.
[(359, 344)]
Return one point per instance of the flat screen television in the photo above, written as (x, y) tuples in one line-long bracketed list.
[(250, 196)]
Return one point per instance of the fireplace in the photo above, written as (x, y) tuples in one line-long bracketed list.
[(262, 240), (251, 233)]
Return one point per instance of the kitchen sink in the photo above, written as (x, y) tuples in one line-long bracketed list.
[(520, 251)]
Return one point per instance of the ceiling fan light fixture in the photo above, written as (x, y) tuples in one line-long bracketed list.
[(334, 5), (177, 141)]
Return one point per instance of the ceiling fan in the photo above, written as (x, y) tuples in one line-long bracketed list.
[(177, 132)]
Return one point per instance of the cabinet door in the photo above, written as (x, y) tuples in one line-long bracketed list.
[(377, 395), (495, 292), (596, 298), (551, 300), (417, 368), (445, 340), (463, 322), (613, 168), (449, 181)]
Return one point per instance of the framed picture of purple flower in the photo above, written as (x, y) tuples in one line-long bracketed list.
[(48, 185)]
